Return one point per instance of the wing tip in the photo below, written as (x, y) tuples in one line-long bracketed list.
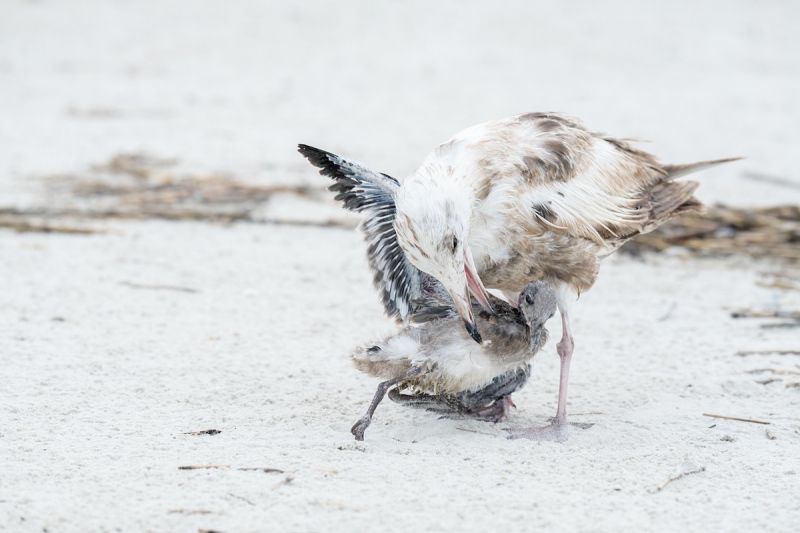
[(318, 158)]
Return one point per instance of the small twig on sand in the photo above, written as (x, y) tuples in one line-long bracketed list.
[(330, 223), (202, 467), (784, 275), (157, 287), (778, 285), (668, 313), (241, 498), (188, 511), (774, 180), (288, 479), (685, 469), (24, 226), (748, 313), (475, 431), (267, 470), (204, 432), (743, 353), (736, 418), (773, 371), (782, 325)]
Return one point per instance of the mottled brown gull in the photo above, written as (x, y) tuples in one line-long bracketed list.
[(534, 196)]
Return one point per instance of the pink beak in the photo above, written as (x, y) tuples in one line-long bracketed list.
[(476, 288), (474, 283)]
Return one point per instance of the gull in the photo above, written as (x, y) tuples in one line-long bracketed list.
[(533, 196), (440, 359)]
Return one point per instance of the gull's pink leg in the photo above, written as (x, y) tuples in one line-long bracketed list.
[(557, 430), (564, 348)]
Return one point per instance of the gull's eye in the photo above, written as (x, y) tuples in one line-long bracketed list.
[(528, 299), (455, 244)]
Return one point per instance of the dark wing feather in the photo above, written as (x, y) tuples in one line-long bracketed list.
[(365, 191), (501, 387)]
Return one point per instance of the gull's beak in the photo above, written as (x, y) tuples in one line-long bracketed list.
[(464, 308), (474, 283)]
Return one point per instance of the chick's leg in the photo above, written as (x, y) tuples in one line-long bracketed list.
[(361, 426)]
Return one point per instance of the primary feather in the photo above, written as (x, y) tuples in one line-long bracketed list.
[(371, 193)]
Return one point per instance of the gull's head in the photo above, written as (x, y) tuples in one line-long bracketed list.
[(432, 225), (537, 303)]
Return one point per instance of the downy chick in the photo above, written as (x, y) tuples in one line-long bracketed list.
[(440, 358)]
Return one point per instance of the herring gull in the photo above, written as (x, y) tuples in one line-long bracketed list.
[(533, 196)]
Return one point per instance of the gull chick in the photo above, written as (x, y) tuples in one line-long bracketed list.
[(439, 357)]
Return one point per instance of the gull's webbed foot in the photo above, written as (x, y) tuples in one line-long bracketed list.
[(556, 431)]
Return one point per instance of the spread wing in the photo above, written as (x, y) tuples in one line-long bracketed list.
[(365, 191)]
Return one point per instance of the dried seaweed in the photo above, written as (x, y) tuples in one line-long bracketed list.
[(141, 187), (726, 231)]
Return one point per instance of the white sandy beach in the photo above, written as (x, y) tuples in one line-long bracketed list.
[(107, 369)]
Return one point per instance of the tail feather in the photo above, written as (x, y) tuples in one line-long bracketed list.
[(667, 199), (676, 171)]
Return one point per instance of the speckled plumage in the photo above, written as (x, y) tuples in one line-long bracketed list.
[(536, 196)]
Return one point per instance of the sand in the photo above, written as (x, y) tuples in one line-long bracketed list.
[(117, 346)]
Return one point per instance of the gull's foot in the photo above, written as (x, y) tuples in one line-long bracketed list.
[(554, 431), (360, 427)]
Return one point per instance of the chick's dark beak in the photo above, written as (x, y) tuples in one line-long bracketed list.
[(473, 332), (464, 308)]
